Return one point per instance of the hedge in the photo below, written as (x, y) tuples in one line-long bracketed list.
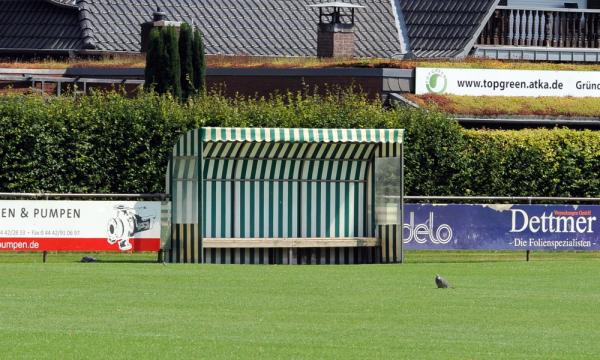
[(540, 162), (108, 143)]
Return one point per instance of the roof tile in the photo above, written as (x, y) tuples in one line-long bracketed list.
[(276, 27), (443, 28), (436, 28), (39, 25)]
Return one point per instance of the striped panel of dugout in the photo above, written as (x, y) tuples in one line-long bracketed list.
[(390, 243), (317, 190), (275, 183)]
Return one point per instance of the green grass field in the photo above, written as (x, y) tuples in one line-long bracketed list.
[(128, 307)]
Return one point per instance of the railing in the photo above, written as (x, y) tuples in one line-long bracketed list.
[(549, 27), (499, 199), (59, 81), (74, 196), (411, 199)]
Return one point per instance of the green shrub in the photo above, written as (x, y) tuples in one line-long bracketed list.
[(557, 162), (434, 155), (101, 143), (109, 143)]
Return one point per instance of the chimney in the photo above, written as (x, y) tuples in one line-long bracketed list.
[(158, 21), (335, 37)]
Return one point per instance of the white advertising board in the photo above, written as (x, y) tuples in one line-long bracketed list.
[(491, 82), (80, 225)]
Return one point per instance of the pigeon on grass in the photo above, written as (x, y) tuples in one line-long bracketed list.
[(441, 282)]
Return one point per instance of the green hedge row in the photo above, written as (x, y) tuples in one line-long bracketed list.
[(110, 143), (539, 162)]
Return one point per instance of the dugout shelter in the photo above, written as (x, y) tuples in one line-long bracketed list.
[(282, 196)]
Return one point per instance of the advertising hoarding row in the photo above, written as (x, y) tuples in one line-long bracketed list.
[(80, 225), (139, 226), (494, 82), (501, 227)]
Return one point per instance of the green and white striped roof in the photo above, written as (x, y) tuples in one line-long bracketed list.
[(214, 134), (300, 142)]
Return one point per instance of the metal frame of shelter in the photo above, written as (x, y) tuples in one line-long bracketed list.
[(281, 196)]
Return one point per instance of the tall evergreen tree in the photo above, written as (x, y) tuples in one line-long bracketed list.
[(171, 68), (186, 38), (153, 59), (199, 61)]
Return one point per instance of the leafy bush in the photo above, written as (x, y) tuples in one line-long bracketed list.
[(109, 143), (557, 162), (100, 143)]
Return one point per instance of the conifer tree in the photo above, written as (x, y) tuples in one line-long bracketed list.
[(199, 61), (186, 37), (170, 74), (153, 59)]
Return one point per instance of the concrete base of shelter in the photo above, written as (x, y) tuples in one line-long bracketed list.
[(293, 256), (282, 256)]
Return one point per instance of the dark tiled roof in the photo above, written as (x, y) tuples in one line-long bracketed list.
[(443, 28), (250, 27), (63, 2), (436, 28), (38, 25)]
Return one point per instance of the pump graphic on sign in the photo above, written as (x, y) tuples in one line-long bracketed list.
[(126, 222)]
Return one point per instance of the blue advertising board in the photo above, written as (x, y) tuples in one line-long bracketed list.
[(501, 227)]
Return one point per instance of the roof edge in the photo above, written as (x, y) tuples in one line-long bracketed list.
[(403, 38), (72, 6), (85, 24), (30, 51), (298, 135), (476, 33)]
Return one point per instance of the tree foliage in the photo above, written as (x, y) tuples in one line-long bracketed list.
[(170, 79), (199, 61), (186, 39), (175, 61), (153, 59)]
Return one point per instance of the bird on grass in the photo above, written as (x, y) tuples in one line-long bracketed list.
[(441, 282)]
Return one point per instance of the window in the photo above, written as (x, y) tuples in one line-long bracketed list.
[(388, 190)]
